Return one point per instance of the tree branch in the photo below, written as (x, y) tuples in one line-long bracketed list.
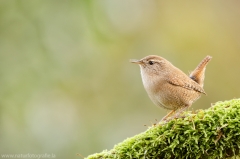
[(212, 133)]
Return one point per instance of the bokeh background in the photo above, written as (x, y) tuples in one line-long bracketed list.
[(66, 84)]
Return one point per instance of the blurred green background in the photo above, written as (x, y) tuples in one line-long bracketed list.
[(66, 84)]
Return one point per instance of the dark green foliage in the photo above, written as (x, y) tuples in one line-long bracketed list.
[(212, 133)]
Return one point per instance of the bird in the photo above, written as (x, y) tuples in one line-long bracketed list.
[(169, 87)]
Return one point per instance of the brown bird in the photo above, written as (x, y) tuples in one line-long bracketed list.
[(169, 87)]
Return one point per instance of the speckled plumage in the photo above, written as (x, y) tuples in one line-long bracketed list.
[(167, 86)]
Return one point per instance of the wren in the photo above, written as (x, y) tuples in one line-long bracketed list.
[(169, 87)]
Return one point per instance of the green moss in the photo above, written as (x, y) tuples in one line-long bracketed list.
[(212, 133)]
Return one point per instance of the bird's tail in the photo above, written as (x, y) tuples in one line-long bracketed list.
[(199, 73)]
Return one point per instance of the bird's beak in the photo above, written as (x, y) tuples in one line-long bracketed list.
[(136, 61)]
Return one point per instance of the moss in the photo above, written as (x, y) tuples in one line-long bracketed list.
[(212, 133)]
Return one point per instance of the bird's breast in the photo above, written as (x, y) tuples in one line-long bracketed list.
[(153, 87)]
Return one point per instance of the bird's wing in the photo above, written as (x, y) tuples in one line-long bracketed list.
[(187, 83)]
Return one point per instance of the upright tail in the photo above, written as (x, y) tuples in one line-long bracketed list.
[(199, 73)]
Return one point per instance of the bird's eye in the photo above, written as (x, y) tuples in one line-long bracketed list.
[(151, 62)]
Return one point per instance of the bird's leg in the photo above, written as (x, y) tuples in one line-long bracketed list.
[(180, 112), (175, 115), (169, 114)]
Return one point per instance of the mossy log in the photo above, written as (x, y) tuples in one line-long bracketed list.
[(211, 133)]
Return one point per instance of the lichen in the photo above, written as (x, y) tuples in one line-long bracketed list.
[(211, 133)]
